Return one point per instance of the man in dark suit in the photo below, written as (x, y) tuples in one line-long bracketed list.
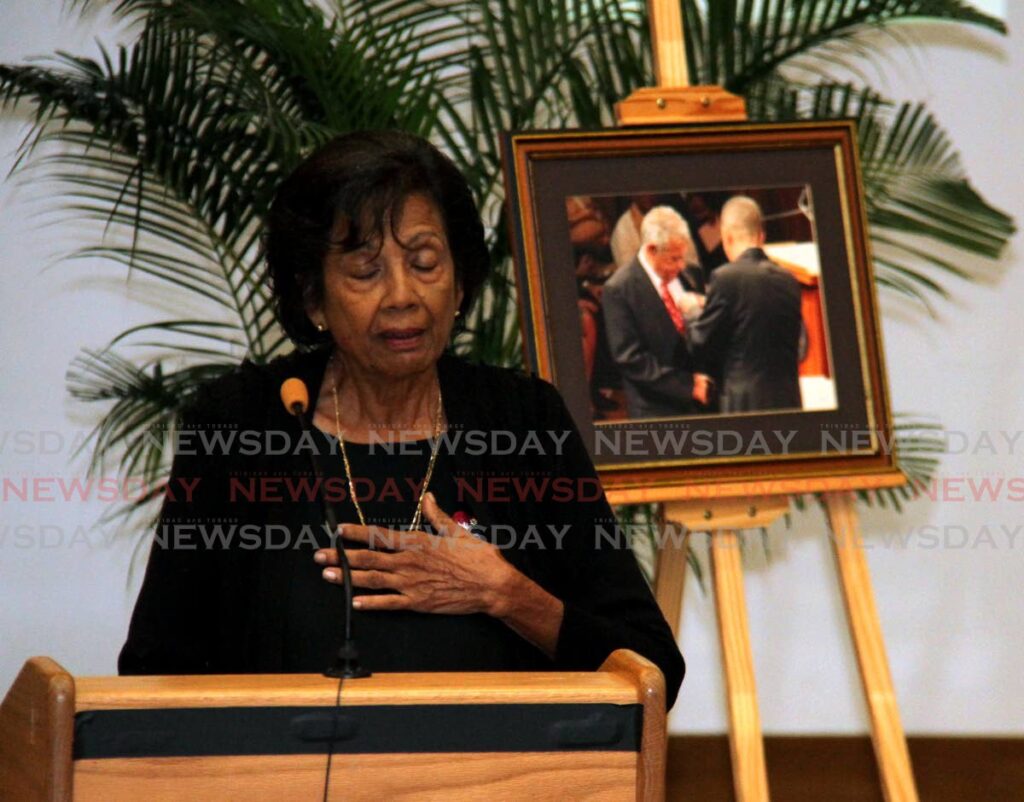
[(644, 306), (748, 334)]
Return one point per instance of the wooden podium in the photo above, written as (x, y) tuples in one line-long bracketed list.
[(460, 736)]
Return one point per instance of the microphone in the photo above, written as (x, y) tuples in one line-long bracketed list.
[(295, 398)]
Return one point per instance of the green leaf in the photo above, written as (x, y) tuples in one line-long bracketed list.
[(915, 187), (736, 43)]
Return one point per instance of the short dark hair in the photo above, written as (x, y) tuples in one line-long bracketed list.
[(362, 178)]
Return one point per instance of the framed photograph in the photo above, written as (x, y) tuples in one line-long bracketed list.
[(702, 296)]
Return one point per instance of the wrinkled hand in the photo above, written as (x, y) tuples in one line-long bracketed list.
[(702, 385), (450, 572)]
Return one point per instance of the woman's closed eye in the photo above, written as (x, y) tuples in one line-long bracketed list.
[(365, 273), (425, 260)]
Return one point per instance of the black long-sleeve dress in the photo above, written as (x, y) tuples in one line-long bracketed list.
[(231, 586)]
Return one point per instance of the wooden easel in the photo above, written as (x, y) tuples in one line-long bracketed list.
[(739, 507)]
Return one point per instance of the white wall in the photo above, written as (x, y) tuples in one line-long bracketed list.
[(63, 589), (952, 616)]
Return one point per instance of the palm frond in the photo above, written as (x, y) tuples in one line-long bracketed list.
[(915, 187), (741, 42), (918, 445), (145, 403), (213, 341), (524, 64)]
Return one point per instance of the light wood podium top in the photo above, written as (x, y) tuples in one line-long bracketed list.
[(268, 690)]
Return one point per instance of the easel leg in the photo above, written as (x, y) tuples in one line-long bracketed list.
[(886, 730), (750, 778), (670, 572)]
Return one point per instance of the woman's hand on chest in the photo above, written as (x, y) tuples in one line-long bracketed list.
[(451, 571)]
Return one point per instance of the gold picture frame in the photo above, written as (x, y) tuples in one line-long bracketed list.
[(846, 434)]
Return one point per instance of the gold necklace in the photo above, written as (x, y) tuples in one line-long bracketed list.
[(418, 514)]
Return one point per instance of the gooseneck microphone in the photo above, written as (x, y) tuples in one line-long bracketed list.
[(295, 398)]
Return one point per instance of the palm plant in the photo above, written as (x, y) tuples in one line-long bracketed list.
[(176, 141)]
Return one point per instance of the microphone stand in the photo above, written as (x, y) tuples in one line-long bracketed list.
[(346, 662)]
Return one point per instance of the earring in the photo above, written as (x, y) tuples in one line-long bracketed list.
[(321, 327), (458, 312)]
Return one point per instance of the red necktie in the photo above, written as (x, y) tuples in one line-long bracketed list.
[(673, 310)]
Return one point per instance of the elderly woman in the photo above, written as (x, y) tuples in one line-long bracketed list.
[(469, 551)]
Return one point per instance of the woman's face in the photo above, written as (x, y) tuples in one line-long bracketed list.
[(390, 306)]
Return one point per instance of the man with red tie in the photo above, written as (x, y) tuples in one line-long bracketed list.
[(645, 306)]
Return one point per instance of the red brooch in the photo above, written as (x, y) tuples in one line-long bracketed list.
[(463, 520)]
